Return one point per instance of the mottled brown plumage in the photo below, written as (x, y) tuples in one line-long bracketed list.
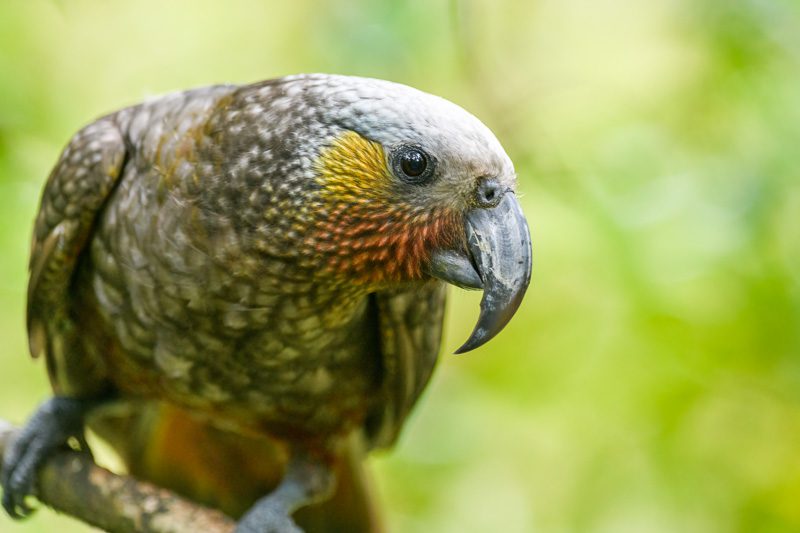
[(251, 257)]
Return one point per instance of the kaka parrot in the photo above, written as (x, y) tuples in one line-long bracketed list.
[(241, 288)]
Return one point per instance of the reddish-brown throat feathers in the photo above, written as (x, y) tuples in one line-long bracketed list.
[(368, 230)]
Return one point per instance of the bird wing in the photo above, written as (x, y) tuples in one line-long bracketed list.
[(410, 323), (77, 189)]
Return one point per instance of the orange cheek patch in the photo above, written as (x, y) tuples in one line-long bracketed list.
[(371, 233)]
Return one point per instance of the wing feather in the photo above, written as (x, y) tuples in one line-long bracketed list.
[(410, 323), (77, 189)]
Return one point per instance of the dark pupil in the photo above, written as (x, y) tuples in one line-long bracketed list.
[(413, 163)]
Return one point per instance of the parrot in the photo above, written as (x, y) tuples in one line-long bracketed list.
[(241, 288)]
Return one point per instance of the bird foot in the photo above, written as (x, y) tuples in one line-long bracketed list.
[(51, 426), (306, 481), (267, 517)]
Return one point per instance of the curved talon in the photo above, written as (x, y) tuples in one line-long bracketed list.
[(20, 464), (55, 421)]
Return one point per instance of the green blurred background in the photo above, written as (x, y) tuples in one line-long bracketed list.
[(651, 380)]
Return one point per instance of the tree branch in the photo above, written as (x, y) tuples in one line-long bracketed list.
[(71, 483)]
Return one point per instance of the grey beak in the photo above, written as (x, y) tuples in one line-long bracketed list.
[(499, 262)]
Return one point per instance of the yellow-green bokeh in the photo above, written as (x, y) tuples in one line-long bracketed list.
[(651, 380)]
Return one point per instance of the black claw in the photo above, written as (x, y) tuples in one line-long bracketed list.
[(55, 421), (19, 468)]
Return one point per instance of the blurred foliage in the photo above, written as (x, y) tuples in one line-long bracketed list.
[(651, 381)]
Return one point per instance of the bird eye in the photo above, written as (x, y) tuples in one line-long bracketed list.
[(412, 164)]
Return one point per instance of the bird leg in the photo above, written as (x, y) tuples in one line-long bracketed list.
[(51, 426), (307, 480)]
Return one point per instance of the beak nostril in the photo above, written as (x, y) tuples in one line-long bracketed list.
[(488, 193)]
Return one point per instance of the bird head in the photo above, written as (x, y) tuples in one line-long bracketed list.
[(401, 186)]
